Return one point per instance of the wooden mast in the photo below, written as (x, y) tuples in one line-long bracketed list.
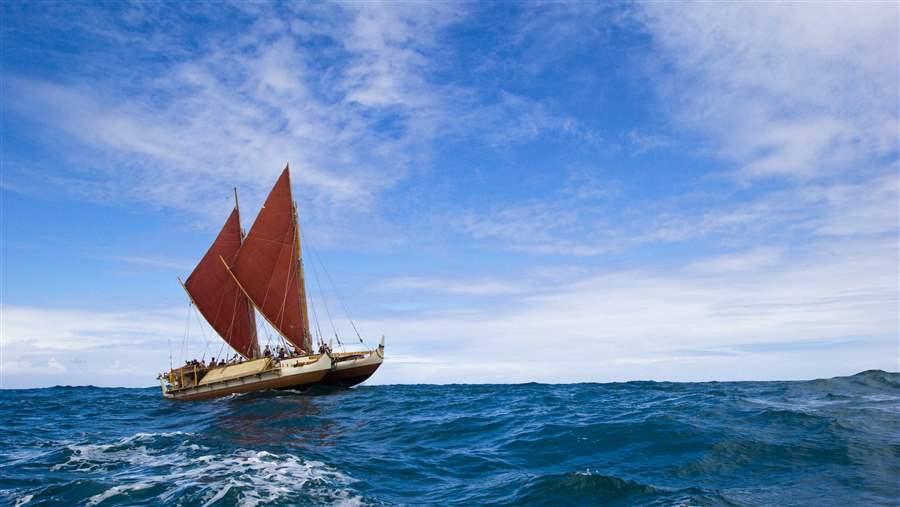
[(307, 335), (268, 266), (215, 296), (252, 302), (251, 308)]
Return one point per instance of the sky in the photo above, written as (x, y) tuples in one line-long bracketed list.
[(507, 192)]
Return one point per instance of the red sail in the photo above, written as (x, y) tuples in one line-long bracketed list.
[(218, 297), (268, 266)]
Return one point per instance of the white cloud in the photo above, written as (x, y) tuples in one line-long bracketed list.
[(154, 262), (79, 330), (797, 89), (448, 286), (823, 311), (744, 261), (23, 367), (644, 142), (642, 324), (347, 93), (46, 346), (235, 110), (565, 223), (802, 95)]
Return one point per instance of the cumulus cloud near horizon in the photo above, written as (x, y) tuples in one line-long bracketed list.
[(771, 252)]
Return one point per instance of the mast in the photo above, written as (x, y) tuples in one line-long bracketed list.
[(218, 298), (304, 308), (268, 268), (251, 307)]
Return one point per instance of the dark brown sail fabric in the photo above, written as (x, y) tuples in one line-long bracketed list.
[(268, 265), (218, 297)]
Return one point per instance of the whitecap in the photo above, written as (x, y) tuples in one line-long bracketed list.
[(190, 471)]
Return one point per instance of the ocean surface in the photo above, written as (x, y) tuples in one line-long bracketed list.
[(820, 442)]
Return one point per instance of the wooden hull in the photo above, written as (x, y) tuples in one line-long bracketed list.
[(288, 374), (348, 371), (341, 369)]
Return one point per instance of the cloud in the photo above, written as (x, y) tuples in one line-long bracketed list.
[(45, 345), (154, 262), (607, 325), (78, 330), (644, 142), (743, 261), (22, 367), (624, 324), (565, 224), (448, 286), (233, 110), (794, 240), (798, 103), (347, 93), (791, 89)]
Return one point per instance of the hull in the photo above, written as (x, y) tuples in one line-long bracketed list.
[(350, 369), (249, 377)]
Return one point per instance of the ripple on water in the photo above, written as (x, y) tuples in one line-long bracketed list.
[(638, 443)]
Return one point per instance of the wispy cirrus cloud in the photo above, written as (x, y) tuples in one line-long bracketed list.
[(347, 93), (782, 89), (155, 262), (799, 107), (461, 287)]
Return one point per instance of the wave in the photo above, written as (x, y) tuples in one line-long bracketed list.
[(170, 467), (634, 443), (587, 487)]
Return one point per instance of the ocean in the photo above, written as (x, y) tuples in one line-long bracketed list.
[(821, 442)]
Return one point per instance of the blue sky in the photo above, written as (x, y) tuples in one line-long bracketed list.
[(508, 192)]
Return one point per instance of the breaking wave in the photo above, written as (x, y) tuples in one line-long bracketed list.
[(636, 443), (164, 468)]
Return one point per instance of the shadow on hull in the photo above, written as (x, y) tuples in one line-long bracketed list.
[(342, 379)]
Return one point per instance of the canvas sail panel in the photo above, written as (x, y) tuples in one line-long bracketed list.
[(268, 265), (218, 297)]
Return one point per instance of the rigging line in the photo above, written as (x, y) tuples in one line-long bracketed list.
[(286, 286), (274, 241), (234, 309), (268, 282), (301, 278), (265, 300), (266, 333), (284, 301), (222, 346), (269, 330), (187, 332), (325, 303), (203, 332), (337, 295), (316, 318)]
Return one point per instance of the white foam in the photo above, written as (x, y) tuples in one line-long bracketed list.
[(118, 490), (248, 477)]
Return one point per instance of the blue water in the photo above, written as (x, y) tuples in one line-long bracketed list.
[(834, 441)]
